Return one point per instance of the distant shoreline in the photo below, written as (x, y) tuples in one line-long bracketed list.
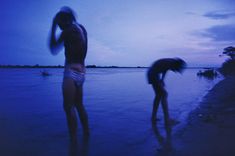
[(88, 66), (60, 66)]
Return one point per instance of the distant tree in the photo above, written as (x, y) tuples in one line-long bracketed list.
[(229, 51), (91, 66), (228, 67)]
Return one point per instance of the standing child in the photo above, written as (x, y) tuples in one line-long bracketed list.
[(74, 39)]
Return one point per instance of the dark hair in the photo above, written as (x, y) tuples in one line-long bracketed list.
[(66, 14), (179, 64)]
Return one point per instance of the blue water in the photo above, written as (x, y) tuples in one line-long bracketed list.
[(118, 102)]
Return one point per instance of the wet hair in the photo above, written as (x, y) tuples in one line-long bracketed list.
[(179, 64), (66, 14)]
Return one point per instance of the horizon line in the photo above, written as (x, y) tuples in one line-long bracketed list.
[(87, 66)]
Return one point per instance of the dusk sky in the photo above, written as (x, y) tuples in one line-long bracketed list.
[(121, 32)]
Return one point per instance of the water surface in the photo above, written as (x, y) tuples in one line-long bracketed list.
[(118, 102)]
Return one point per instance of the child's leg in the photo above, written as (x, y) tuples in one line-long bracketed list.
[(155, 107), (156, 102), (68, 94), (165, 107), (81, 110)]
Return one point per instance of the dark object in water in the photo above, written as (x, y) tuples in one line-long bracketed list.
[(209, 73), (45, 73)]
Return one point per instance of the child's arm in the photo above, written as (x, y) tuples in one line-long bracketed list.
[(162, 78), (54, 43)]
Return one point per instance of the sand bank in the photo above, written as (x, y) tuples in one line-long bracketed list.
[(211, 127)]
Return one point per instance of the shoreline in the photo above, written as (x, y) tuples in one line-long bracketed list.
[(210, 129)]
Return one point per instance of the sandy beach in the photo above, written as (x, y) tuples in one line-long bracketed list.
[(211, 127)]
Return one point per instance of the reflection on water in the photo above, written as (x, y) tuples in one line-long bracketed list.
[(118, 102), (80, 147), (165, 142)]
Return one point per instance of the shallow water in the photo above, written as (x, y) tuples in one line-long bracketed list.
[(118, 102)]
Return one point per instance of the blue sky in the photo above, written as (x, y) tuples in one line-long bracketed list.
[(121, 32)]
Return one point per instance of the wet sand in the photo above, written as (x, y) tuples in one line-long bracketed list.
[(211, 127)]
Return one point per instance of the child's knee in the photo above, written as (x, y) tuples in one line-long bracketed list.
[(163, 93), (67, 107)]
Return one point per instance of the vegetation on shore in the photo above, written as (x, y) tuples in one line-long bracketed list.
[(228, 67)]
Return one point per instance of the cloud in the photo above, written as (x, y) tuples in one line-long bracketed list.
[(218, 15), (102, 54), (190, 13), (220, 33)]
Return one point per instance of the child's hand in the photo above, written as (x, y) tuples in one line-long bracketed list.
[(55, 21)]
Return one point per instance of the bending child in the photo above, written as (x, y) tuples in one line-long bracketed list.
[(156, 75)]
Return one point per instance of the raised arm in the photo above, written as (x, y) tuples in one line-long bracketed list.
[(55, 44)]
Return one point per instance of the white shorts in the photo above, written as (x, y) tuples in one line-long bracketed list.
[(78, 77)]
